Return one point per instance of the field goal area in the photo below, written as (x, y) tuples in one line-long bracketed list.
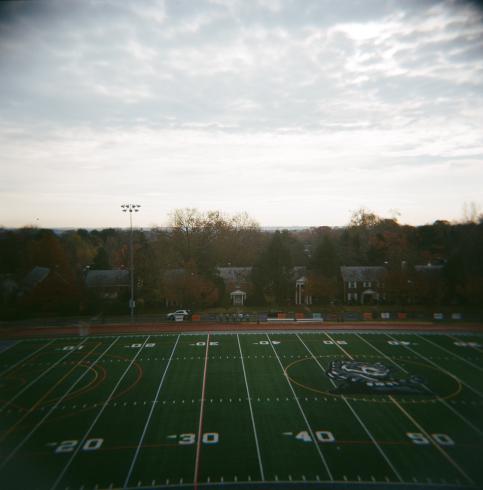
[(327, 409)]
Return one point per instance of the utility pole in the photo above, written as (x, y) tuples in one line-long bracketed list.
[(130, 208)]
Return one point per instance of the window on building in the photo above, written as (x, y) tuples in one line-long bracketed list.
[(351, 296), (352, 284), (367, 284)]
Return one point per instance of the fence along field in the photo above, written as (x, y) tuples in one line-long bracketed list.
[(204, 410)]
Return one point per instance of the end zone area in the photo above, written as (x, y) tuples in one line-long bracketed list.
[(285, 409)]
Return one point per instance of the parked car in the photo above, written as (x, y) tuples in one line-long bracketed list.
[(185, 313)]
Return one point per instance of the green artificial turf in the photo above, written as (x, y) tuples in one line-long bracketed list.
[(128, 412)]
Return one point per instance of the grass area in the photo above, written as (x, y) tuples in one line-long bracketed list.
[(242, 409)]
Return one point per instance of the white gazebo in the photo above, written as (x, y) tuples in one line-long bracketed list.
[(238, 297)]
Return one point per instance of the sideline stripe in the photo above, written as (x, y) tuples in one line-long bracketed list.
[(444, 402), (200, 424), (99, 413), (440, 449), (26, 358), (133, 462), (312, 435), (367, 431), (42, 420), (41, 375), (475, 366), (262, 475)]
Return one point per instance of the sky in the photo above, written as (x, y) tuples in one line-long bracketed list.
[(298, 112)]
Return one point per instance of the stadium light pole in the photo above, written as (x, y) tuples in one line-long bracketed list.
[(130, 208)]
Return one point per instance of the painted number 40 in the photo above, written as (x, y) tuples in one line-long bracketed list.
[(321, 436)]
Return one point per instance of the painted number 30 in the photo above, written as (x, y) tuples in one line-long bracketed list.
[(190, 438)]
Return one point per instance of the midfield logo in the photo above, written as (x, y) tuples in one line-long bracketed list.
[(355, 377)]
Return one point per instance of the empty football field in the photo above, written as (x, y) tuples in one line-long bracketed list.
[(278, 409)]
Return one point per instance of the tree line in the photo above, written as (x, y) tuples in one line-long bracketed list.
[(181, 261)]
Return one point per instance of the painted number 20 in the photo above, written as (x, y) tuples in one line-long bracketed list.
[(70, 445)]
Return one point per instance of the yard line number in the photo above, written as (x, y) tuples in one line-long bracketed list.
[(404, 343), (138, 346), (70, 445), (304, 436), (422, 440), (467, 344), (202, 343), (189, 438)]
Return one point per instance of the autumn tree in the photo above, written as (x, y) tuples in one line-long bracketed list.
[(272, 273), (324, 271)]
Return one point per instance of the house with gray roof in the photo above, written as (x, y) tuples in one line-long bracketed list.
[(363, 284), (107, 284)]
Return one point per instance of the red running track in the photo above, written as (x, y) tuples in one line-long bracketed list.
[(145, 328)]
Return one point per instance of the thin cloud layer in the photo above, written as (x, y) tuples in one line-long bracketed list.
[(297, 112)]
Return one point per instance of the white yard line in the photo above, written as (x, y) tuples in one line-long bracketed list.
[(442, 369), (367, 431), (42, 420), (435, 445), (28, 356), (312, 435), (262, 475), (441, 400), (416, 424), (99, 413), (13, 344), (200, 422), (473, 347), (40, 376), (475, 366), (141, 440)]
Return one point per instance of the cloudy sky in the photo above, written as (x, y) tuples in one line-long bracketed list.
[(295, 111)]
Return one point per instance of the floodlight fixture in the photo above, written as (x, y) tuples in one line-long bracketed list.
[(125, 208)]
